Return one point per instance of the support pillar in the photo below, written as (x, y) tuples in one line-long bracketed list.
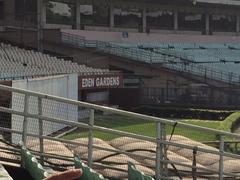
[(44, 13), (207, 29), (175, 20), (144, 20), (78, 15), (40, 23), (9, 13), (111, 16), (238, 24)]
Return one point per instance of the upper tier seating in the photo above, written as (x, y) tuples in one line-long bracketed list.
[(18, 63), (183, 57)]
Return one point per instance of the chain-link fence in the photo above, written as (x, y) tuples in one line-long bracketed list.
[(55, 129)]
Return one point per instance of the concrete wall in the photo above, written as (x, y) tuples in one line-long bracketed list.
[(63, 86), (152, 37)]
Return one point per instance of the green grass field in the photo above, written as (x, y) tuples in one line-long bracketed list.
[(149, 129)]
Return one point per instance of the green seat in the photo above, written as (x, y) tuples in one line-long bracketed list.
[(134, 174), (31, 164), (88, 173)]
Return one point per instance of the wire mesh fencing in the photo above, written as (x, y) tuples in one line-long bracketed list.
[(106, 139)]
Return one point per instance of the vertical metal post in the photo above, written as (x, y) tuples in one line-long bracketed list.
[(238, 23), (207, 27), (78, 15), (144, 19), (24, 135), (175, 20), (159, 152), (194, 164), (25, 123), (40, 124), (111, 26), (39, 25), (164, 137), (90, 138), (221, 150)]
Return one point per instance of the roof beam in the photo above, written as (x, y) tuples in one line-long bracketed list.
[(223, 2)]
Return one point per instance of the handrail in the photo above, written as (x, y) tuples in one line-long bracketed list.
[(212, 70), (117, 111), (160, 141)]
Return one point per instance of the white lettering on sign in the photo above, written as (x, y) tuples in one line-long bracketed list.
[(88, 82), (107, 81), (101, 82)]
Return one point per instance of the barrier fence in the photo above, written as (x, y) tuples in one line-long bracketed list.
[(168, 59), (161, 148)]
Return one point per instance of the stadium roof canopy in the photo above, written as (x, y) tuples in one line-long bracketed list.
[(224, 2), (221, 2)]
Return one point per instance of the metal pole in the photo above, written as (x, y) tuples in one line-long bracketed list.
[(39, 25), (194, 164), (90, 138), (26, 105), (221, 150), (159, 152), (24, 135), (164, 137), (40, 124), (22, 23)]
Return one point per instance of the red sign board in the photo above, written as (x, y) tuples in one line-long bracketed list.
[(100, 81)]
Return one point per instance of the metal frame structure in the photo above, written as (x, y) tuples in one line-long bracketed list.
[(160, 138)]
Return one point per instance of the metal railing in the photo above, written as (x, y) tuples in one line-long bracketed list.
[(31, 124), (146, 56)]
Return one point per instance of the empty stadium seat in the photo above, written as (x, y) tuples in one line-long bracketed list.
[(134, 174), (17, 63), (88, 173), (174, 55), (35, 169)]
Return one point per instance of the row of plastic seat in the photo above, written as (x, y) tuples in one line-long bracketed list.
[(177, 55), (38, 172), (81, 41), (179, 58), (16, 62), (90, 174)]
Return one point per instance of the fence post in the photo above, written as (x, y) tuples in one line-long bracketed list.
[(90, 138), (40, 124), (221, 150), (194, 164), (159, 152), (164, 148), (25, 123)]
